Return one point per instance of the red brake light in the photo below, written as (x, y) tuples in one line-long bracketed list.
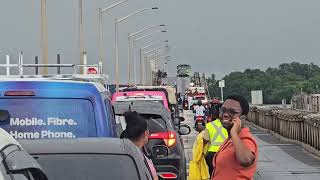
[(169, 138), (19, 93), (168, 175), (92, 71)]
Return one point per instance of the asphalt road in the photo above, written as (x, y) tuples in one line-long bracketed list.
[(277, 159)]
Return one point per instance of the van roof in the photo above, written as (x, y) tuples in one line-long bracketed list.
[(52, 88), (99, 86)]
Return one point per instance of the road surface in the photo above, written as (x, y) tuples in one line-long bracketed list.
[(277, 159)]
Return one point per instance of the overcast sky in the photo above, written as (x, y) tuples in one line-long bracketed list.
[(212, 36)]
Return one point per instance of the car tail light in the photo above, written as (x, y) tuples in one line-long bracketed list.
[(19, 93), (168, 175), (169, 138)]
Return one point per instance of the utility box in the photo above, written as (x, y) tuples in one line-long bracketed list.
[(256, 97)]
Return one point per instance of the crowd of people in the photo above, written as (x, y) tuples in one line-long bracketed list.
[(224, 147)]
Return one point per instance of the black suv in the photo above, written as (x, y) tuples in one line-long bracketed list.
[(163, 133)]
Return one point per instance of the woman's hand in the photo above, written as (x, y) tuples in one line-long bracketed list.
[(236, 128)]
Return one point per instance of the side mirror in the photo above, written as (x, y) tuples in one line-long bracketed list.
[(4, 115), (176, 121), (184, 129), (19, 160), (160, 151)]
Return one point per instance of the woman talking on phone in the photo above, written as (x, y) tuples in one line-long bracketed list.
[(237, 156)]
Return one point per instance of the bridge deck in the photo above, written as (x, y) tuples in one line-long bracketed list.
[(277, 159)]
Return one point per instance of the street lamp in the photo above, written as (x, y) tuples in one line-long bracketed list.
[(44, 35), (155, 51), (157, 48), (140, 55), (151, 53), (131, 47), (100, 13), (116, 22), (81, 36), (153, 44), (152, 68)]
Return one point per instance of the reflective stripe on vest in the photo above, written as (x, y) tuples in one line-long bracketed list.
[(217, 134)]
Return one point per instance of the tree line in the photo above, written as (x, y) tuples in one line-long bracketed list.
[(276, 83)]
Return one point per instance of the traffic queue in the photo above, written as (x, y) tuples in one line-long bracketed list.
[(69, 127)]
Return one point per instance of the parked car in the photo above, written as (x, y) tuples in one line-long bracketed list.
[(163, 132), (49, 109), (155, 96), (89, 159), (15, 162)]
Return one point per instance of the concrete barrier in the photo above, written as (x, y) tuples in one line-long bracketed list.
[(300, 126)]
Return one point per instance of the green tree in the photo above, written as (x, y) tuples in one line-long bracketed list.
[(276, 83)]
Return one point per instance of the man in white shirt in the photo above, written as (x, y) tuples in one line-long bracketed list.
[(199, 109)]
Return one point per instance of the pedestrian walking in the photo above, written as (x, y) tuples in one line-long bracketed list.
[(137, 131), (237, 156)]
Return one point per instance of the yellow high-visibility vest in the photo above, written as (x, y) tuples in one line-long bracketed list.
[(218, 134)]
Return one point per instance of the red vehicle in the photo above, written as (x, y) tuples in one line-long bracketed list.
[(202, 97)]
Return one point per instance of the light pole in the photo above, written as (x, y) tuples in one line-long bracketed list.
[(81, 34), (160, 60), (131, 46), (153, 44), (134, 57), (116, 22), (101, 12), (157, 48), (151, 53), (44, 35), (153, 66)]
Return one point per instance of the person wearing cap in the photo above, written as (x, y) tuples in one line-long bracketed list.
[(198, 168)]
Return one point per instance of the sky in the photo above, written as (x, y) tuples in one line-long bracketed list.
[(213, 36)]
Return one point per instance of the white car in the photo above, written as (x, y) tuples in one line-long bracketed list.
[(15, 162)]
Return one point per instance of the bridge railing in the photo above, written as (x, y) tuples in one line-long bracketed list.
[(300, 126)]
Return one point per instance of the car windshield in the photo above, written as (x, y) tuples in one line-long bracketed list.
[(138, 101), (88, 166), (155, 122), (49, 118)]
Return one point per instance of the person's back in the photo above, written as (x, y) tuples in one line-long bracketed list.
[(199, 110)]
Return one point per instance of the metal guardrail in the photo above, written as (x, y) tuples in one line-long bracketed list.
[(297, 125)]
